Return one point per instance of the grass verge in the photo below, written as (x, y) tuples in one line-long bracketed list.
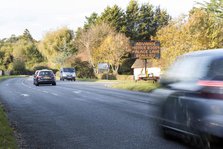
[(143, 86), (7, 138)]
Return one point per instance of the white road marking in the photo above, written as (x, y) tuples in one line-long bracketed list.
[(25, 95), (77, 91), (45, 92), (54, 94)]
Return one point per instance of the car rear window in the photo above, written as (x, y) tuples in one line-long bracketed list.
[(45, 73), (188, 69)]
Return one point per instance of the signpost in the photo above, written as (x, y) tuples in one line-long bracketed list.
[(146, 50)]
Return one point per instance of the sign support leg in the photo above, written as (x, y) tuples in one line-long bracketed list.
[(146, 68)]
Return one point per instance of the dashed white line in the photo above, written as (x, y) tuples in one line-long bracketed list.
[(25, 95), (77, 91), (54, 94)]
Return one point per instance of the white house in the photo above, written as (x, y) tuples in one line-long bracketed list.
[(139, 69)]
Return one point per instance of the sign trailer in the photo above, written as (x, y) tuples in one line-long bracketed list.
[(146, 50)]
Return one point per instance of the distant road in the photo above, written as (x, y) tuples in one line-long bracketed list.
[(81, 115)]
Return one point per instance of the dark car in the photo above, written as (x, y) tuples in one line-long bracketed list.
[(191, 97), (44, 77)]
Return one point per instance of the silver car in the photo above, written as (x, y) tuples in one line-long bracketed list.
[(191, 97)]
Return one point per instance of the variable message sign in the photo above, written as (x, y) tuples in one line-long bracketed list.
[(146, 49)]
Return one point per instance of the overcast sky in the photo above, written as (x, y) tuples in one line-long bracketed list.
[(40, 16)]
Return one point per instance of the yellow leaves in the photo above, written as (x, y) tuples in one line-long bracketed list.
[(198, 32), (112, 49)]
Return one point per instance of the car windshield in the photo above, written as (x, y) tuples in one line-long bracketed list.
[(187, 69), (68, 70), (45, 73)]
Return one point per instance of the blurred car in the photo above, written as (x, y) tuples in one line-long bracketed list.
[(67, 74), (191, 97), (44, 77)]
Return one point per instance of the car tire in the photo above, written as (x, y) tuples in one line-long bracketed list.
[(37, 84), (54, 84), (74, 79)]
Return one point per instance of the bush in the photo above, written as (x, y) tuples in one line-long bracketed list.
[(83, 69), (106, 76), (19, 67)]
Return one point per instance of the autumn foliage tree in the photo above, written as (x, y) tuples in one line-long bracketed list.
[(200, 31), (112, 50)]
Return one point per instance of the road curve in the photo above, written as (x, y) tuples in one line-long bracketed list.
[(81, 115)]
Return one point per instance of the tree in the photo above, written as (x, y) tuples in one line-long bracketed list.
[(132, 13), (57, 46), (214, 6), (146, 22), (161, 19), (91, 20), (90, 39), (19, 66), (115, 17), (112, 50), (199, 31)]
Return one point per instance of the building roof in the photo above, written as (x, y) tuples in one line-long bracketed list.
[(141, 64)]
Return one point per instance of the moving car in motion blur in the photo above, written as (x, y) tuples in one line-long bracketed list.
[(67, 74), (191, 96), (44, 77)]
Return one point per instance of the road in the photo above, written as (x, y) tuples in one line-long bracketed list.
[(82, 115)]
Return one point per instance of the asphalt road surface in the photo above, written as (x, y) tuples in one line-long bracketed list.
[(82, 115)]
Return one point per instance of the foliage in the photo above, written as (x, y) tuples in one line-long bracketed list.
[(201, 30), (83, 69), (22, 47), (19, 67), (92, 38), (114, 16), (215, 7), (112, 49), (142, 22), (57, 46)]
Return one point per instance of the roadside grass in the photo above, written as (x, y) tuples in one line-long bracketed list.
[(143, 86), (7, 138), (95, 80)]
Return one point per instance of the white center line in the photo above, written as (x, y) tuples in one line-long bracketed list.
[(77, 91), (54, 94), (25, 95)]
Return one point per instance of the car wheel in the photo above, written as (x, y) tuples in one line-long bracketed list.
[(54, 84), (37, 84), (74, 79)]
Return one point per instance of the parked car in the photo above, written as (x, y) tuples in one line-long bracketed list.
[(44, 77), (191, 97), (67, 74)]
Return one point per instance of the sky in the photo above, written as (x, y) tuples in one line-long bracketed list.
[(41, 16)]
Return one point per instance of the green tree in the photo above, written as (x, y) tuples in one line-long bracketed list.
[(91, 20), (114, 16), (146, 22), (57, 46), (132, 13)]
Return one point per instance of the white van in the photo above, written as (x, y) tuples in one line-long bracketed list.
[(68, 74)]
